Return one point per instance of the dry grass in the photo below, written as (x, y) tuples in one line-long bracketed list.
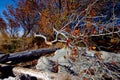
[(10, 45)]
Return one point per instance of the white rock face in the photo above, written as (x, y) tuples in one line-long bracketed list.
[(60, 56), (108, 56), (43, 64), (90, 53)]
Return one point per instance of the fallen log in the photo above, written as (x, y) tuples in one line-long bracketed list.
[(3, 57), (6, 70), (26, 55), (42, 75)]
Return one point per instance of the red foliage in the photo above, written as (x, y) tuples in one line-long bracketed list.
[(93, 13), (2, 24), (102, 28), (68, 42)]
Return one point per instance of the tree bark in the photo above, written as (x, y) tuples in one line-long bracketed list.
[(26, 55)]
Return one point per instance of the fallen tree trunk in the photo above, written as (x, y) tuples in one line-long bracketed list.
[(43, 75), (6, 70), (26, 55)]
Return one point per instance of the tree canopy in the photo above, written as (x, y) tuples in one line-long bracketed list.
[(70, 18)]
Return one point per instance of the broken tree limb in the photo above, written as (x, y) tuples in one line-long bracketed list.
[(42, 74), (25, 55)]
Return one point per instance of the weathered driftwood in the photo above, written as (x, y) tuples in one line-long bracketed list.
[(43, 75), (26, 55)]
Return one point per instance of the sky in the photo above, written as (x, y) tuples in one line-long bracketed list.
[(3, 4)]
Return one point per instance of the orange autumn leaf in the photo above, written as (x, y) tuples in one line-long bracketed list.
[(113, 63), (84, 71), (94, 31), (92, 13), (102, 28), (97, 53), (84, 78), (93, 47), (88, 25), (67, 29), (74, 53), (89, 48), (73, 57), (74, 49), (91, 71), (55, 68), (76, 32)]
